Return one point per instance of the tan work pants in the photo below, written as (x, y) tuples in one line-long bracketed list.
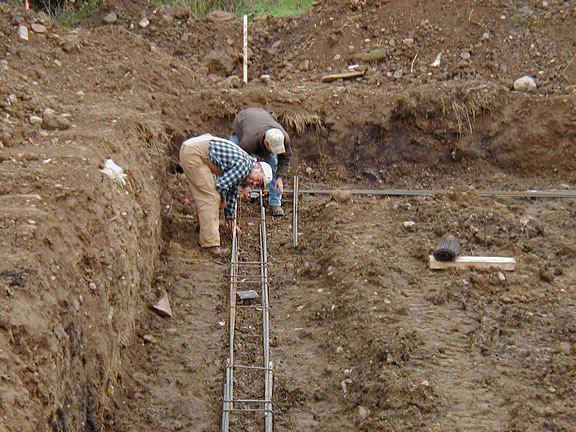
[(201, 175)]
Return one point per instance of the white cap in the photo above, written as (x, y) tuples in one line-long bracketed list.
[(275, 139), (267, 171)]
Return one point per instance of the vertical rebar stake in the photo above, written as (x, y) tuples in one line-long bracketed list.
[(295, 212)]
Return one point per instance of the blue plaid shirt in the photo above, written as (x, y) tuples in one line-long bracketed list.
[(235, 165)]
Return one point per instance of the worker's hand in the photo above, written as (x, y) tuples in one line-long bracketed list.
[(230, 223), (223, 204), (246, 191), (279, 185)]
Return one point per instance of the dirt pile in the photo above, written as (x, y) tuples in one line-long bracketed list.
[(365, 336)]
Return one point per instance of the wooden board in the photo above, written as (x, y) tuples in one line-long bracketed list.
[(474, 262), (345, 75)]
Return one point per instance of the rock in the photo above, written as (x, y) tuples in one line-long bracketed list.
[(69, 44), (22, 32), (220, 16), (53, 122), (110, 17), (465, 55), (35, 120), (265, 78), (525, 84), (150, 339), (362, 413), (162, 306), (410, 226), (143, 23), (38, 28), (341, 196)]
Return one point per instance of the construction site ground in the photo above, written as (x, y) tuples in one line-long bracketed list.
[(364, 335)]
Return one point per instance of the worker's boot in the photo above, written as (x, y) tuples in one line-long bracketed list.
[(216, 251), (276, 211)]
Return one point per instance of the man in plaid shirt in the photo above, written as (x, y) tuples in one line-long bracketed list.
[(215, 168)]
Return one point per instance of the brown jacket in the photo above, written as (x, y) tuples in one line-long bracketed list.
[(251, 125)]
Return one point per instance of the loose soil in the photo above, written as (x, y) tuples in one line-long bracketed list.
[(364, 336)]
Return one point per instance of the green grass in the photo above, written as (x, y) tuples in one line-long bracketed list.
[(279, 8), (69, 14), (254, 8)]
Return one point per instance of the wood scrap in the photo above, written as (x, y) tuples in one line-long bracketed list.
[(474, 262), (345, 75)]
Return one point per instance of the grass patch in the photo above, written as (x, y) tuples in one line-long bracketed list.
[(69, 14), (254, 8)]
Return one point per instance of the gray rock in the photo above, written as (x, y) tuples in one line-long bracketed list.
[(341, 196), (22, 32), (35, 120), (525, 84), (52, 122), (38, 28), (362, 413), (110, 17), (69, 44)]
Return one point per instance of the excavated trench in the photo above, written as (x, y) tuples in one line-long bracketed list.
[(363, 335)]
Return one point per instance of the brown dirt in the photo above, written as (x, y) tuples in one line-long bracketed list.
[(364, 335)]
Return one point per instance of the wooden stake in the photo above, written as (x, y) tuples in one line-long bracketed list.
[(245, 72)]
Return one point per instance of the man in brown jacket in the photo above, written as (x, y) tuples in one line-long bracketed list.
[(257, 133)]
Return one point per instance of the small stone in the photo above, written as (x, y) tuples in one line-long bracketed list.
[(525, 84), (465, 55), (52, 122), (35, 120), (110, 18), (361, 413), (410, 226), (22, 32), (38, 28), (143, 23), (149, 339), (341, 196)]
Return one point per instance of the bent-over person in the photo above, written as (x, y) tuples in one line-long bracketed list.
[(256, 132), (215, 168)]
